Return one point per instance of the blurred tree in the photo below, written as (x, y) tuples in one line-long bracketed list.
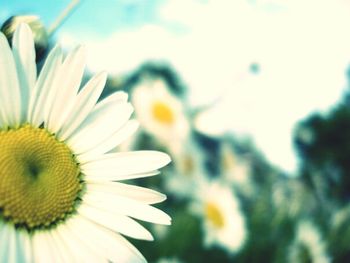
[(323, 143), (151, 70)]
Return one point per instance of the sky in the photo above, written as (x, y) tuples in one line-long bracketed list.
[(267, 63)]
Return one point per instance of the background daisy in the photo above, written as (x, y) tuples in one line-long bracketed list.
[(161, 114), (223, 223), (308, 245), (187, 171)]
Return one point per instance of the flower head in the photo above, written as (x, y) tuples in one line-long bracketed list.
[(188, 169), (236, 169), (60, 195), (160, 113), (223, 222), (308, 245)]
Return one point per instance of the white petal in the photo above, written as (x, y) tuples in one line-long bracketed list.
[(122, 205), (101, 124), (12, 249), (65, 88), (115, 98), (4, 233), (15, 245), (106, 176), (126, 163), (40, 98), (26, 250), (42, 248), (20, 241), (115, 222), (65, 251), (79, 251), (108, 243), (10, 97), (86, 100), (113, 141), (24, 55), (141, 194), (107, 104), (60, 256)]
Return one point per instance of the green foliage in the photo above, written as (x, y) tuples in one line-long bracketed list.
[(326, 153)]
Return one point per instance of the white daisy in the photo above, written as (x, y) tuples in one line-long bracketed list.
[(223, 222), (59, 199), (160, 113), (308, 245), (235, 169), (290, 198), (188, 169)]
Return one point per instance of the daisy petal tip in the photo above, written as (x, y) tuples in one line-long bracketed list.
[(56, 52), (162, 198), (129, 109), (103, 75), (57, 49), (124, 94), (23, 28), (165, 159), (149, 237), (166, 219), (81, 49), (168, 223)]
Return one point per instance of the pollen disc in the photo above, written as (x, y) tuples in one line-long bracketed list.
[(39, 178), (163, 113), (214, 215)]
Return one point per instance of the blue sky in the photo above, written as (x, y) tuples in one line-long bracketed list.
[(98, 18), (302, 49)]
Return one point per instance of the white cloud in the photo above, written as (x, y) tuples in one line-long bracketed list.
[(302, 48)]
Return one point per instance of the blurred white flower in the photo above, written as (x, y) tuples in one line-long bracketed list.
[(160, 113), (188, 169), (308, 245), (235, 169), (223, 222)]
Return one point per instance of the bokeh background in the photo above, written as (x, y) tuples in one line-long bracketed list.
[(251, 100)]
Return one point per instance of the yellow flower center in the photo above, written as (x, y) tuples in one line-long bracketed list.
[(162, 112), (39, 178), (214, 215)]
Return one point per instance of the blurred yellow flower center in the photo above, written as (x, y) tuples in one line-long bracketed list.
[(39, 178), (214, 215), (188, 165), (228, 161), (162, 112)]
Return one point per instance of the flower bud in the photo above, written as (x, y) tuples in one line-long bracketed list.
[(39, 32)]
